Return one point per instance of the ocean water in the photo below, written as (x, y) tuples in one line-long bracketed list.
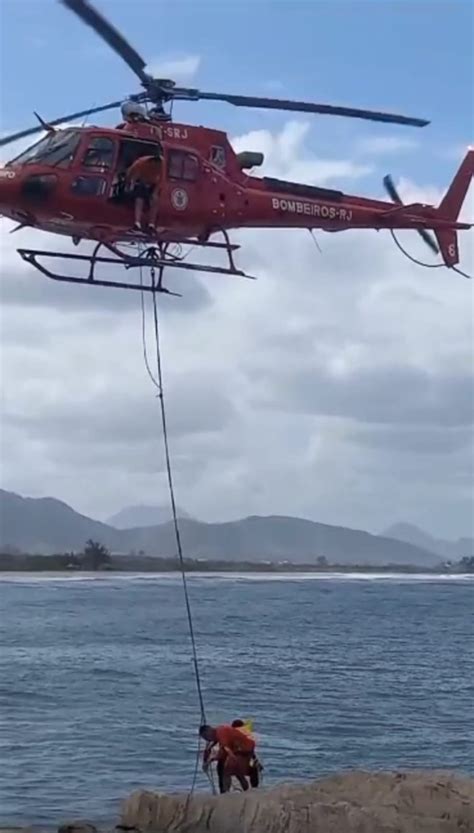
[(97, 692)]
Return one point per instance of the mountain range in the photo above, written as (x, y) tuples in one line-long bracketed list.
[(448, 550), (47, 525)]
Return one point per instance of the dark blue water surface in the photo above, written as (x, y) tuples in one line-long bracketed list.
[(98, 696)]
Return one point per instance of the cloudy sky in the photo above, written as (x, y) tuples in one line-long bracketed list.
[(336, 387)]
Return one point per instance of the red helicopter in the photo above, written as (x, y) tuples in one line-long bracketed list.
[(72, 182)]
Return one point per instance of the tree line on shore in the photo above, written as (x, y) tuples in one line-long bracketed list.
[(96, 557)]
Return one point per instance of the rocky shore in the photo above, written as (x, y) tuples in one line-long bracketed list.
[(353, 802)]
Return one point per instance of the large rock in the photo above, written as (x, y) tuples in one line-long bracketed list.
[(355, 802)]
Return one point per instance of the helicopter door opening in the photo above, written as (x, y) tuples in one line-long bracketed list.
[(129, 151)]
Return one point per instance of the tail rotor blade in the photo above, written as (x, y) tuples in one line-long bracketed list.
[(429, 240), (395, 197), (391, 190)]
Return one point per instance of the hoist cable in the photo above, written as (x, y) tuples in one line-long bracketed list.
[(173, 507), (145, 350), (158, 383)]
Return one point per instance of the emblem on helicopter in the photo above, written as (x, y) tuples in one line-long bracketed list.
[(179, 199)]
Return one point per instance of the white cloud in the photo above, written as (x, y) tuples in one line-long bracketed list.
[(454, 152), (178, 68), (287, 156), (383, 145), (364, 358)]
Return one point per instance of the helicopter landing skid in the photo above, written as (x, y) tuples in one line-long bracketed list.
[(154, 259)]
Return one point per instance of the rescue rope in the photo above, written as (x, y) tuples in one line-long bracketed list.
[(158, 383), (177, 532), (145, 351)]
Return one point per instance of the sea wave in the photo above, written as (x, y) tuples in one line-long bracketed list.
[(205, 577), (337, 671)]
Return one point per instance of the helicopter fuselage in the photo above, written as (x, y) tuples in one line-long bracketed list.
[(72, 183)]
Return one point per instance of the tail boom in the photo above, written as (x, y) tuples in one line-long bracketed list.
[(280, 204)]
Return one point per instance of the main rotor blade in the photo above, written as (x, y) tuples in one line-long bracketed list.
[(395, 196), (6, 140), (307, 107), (109, 34)]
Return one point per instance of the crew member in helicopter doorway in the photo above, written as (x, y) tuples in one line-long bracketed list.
[(144, 178)]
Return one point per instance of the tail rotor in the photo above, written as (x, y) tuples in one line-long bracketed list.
[(395, 197)]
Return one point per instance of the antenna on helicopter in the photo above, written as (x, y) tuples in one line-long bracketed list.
[(48, 127)]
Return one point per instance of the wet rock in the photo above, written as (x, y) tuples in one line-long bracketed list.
[(354, 802), (78, 827)]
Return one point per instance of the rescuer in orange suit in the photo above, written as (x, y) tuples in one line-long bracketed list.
[(256, 767), (144, 175), (235, 756)]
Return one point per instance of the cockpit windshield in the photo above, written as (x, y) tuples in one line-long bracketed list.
[(56, 149)]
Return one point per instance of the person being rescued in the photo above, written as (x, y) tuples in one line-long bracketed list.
[(144, 178), (235, 755)]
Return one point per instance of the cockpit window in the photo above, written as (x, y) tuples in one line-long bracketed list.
[(57, 149), (99, 153)]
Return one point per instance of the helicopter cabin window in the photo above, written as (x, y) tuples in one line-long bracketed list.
[(99, 154), (57, 149), (182, 165), (89, 186), (217, 156)]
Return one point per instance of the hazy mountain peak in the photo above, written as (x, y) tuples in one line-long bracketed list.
[(143, 515), (412, 534), (408, 532)]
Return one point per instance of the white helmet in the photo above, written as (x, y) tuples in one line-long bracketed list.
[(131, 108)]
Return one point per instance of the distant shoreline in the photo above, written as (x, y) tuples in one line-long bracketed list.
[(257, 574), (39, 564)]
